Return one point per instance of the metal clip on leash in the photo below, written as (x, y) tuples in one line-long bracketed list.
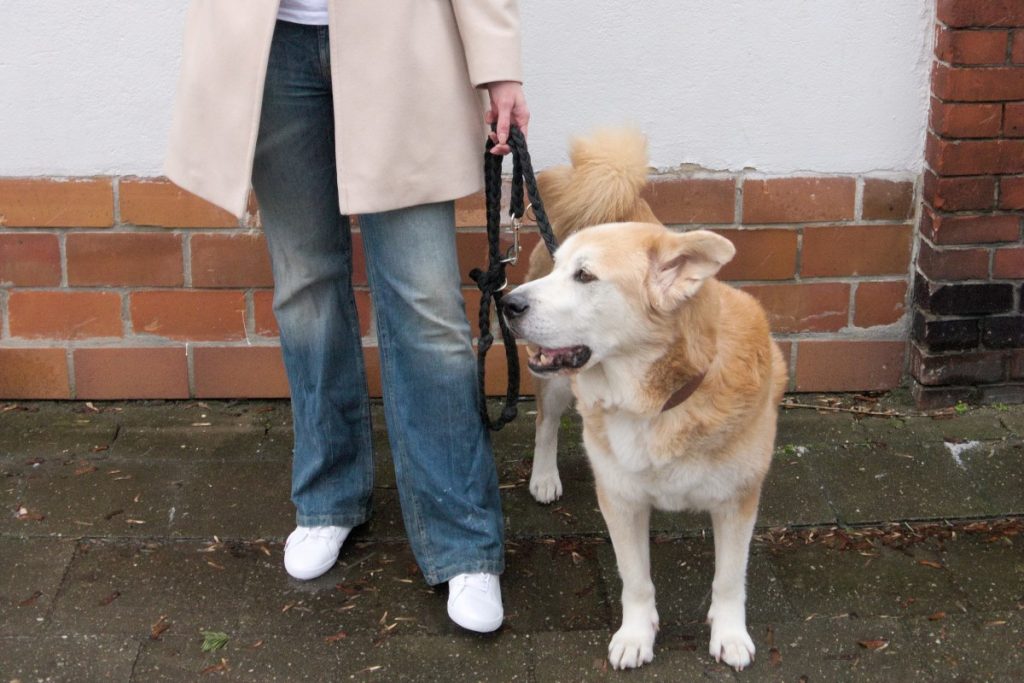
[(493, 281)]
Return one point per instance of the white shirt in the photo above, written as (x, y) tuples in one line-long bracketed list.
[(311, 12)]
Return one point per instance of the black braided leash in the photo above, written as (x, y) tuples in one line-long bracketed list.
[(493, 281)]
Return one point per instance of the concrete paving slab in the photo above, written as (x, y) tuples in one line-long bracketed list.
[(234, 499), (30, 576), (42, 431), (820, 581), (875, 483), (988, 568), (274, 658), (995, 470), (126, 587), (792, 494), (70, 659), (682, 571), (96, 496)]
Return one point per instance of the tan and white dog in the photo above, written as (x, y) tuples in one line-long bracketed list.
[(678, 382)]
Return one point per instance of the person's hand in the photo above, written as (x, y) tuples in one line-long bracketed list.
[(508, 106)]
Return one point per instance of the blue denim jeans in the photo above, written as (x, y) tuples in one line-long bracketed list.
[(447, 480)]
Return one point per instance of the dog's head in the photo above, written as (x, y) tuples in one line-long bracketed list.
[(613, 289)]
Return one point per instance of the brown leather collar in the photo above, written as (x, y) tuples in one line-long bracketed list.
[(684, 392)]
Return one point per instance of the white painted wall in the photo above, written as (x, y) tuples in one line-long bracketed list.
[(780, 86)]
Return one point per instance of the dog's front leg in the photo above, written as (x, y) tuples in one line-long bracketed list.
[(554, 396), (733, 525), (629, 526)]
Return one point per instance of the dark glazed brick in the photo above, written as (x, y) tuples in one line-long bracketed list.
[(965, 299), (945, 335), (1003, 332), (957, 368), (930, 398)]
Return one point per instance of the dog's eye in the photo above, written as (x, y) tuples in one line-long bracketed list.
[(583, 276)]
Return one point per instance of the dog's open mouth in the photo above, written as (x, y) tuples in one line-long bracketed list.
[(555, 360)]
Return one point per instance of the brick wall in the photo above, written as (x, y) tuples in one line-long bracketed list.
[(130, 288), (968, 330)]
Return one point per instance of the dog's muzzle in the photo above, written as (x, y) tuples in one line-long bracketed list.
[(545, 360)]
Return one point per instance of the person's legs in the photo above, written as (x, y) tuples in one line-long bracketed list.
[(443, 461), (310, 245)]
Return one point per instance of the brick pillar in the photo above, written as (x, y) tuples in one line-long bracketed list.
[(968, 333)]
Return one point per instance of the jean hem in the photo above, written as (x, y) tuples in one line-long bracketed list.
[(445, 574), (349, 520)]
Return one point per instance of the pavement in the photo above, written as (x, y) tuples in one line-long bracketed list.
[(889, 547)]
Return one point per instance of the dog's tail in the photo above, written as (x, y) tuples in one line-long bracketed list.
[(603, 184)]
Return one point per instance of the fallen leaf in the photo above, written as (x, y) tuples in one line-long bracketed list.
[(113, 513), (775, 656), (99, 448), (937, 616), (110, 598), (340, 635), (257, 645), (26, 516), (216, 668), (85, 469), (31, 600), (157, 629), (879, 644), (931, 563), (214, 640)]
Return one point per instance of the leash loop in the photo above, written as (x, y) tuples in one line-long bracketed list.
[(493, 280)]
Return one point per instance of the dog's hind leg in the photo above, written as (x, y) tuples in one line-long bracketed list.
[(733, 525), (629, 527), (554, 396)]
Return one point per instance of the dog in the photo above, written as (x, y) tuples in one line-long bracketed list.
[(678, 382), (602, 184)]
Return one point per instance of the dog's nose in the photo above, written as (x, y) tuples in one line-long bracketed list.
[(514, 306)]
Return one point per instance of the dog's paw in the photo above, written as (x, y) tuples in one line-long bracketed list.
[(631, 647), (546, 488), (731, 645)]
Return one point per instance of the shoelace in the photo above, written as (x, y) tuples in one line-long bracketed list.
[(322, 533), (480, 582)]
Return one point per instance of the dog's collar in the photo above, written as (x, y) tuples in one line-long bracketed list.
[(684, 392)]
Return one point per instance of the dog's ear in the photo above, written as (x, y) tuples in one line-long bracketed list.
[(680, 262)]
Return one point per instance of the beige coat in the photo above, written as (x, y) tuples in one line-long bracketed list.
[(408, 119)]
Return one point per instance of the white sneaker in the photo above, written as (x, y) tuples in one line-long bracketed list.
[(474, 602), (312, 550)]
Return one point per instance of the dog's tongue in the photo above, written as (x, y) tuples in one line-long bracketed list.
[(569, 357)]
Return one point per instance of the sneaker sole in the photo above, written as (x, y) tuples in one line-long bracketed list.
[(478, 626), (307, 574)]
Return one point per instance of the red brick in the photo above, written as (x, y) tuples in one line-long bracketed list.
[(975, 157), (856, 250), (953, 264), (761, 254), (496, 374), (955, 120), (692, 200), (66, 203), (189, 315), (971, 47), (239, 372), (805, 307), (959, 194), (158, 201), (29, 259), (64, 314), (233, 260), (1009, 263), (974, 229), (981, 84), (798, 200), (1011, 193), (472, 251), (879, 303), (124, 259), (1013, 123), (264, 322), (131, 373), (981, 13), (36, 373), (849, 365), (1017, 47), (887, 200), (471, 211)]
